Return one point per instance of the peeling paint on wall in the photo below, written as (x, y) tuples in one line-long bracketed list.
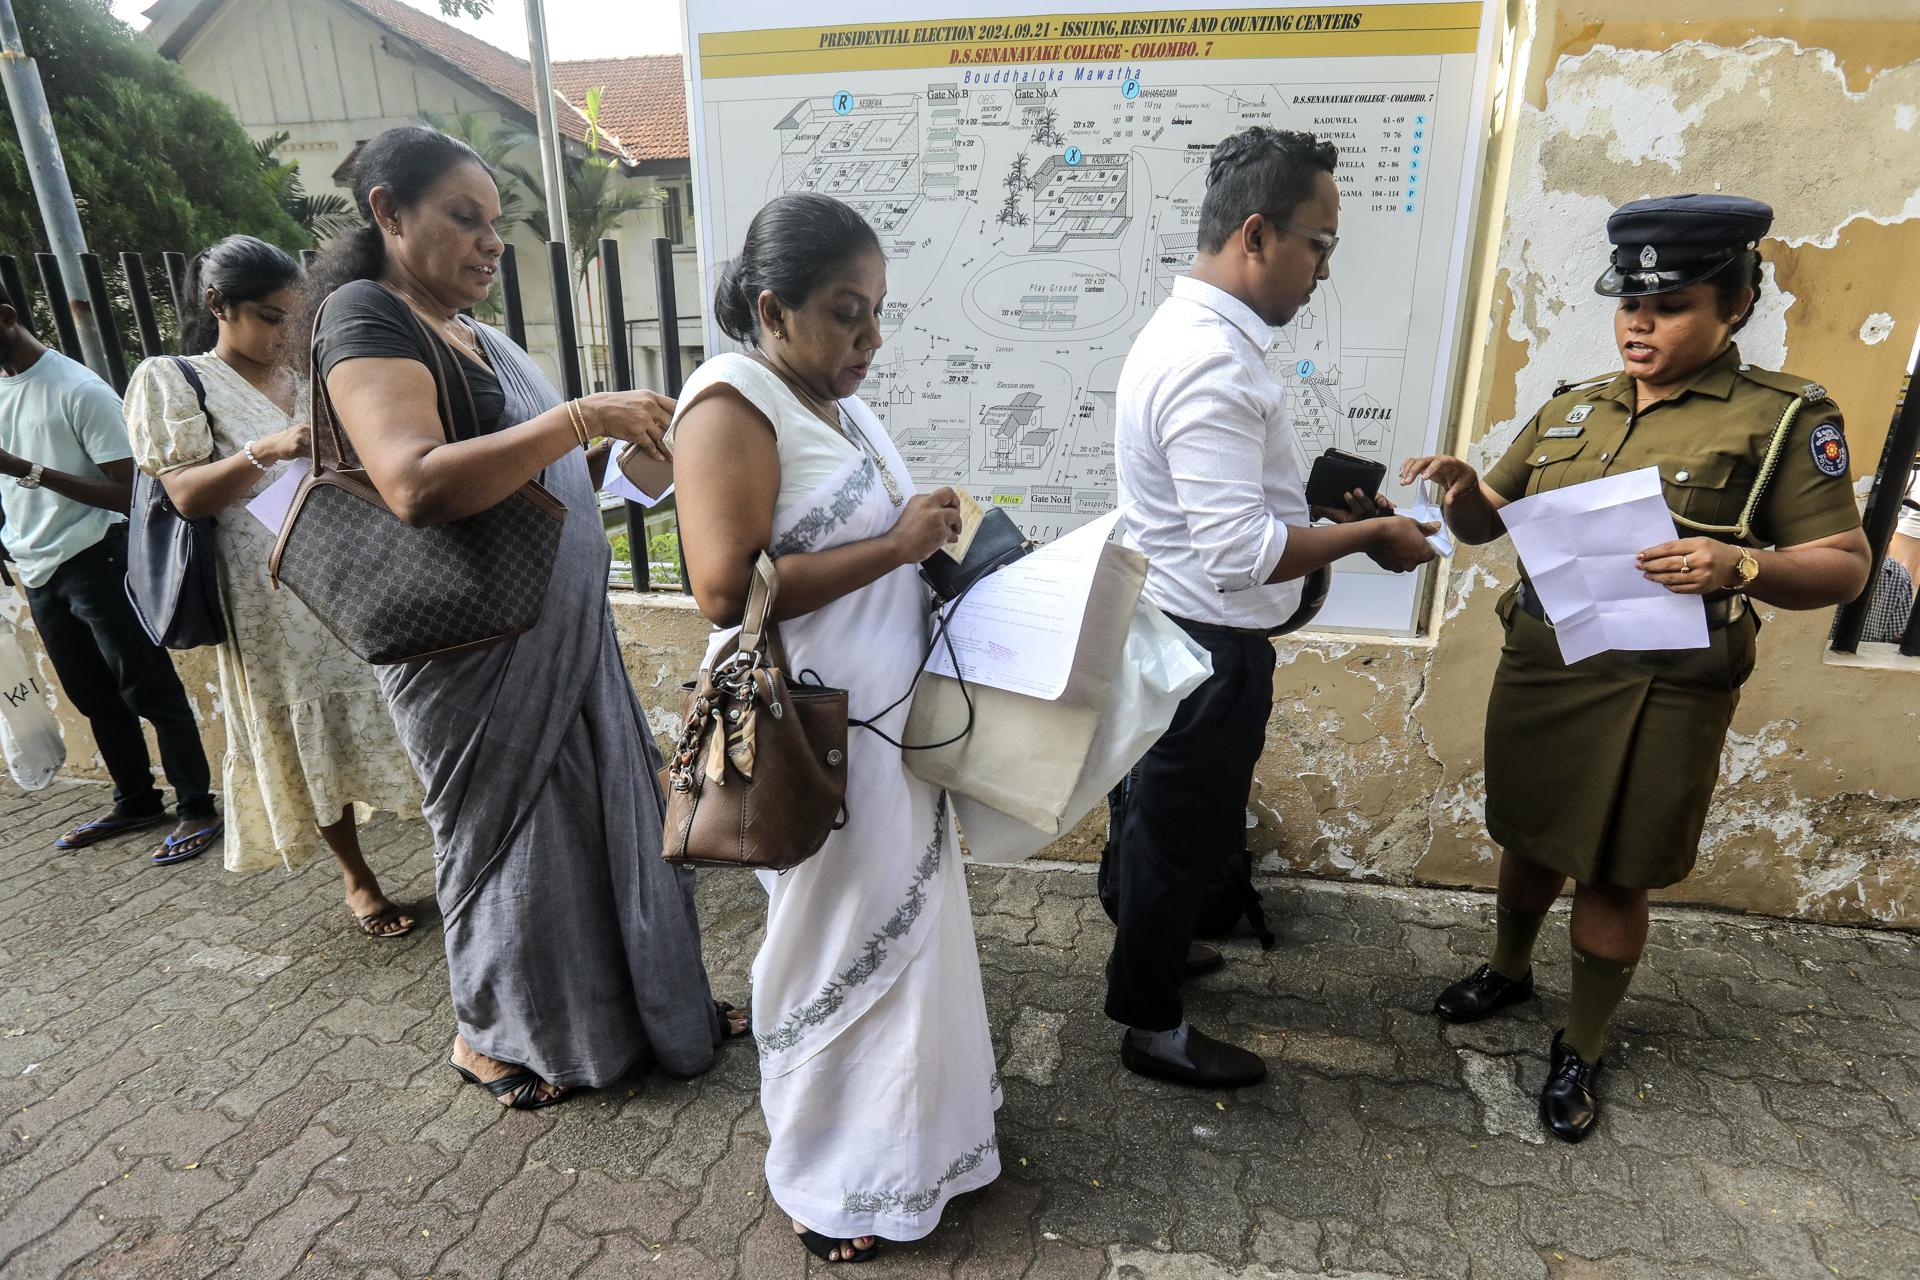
[(1877, 328)]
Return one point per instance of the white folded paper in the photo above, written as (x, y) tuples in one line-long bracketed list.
[(1579, 544), (1018, 629), (269, 506), (1426, 510)]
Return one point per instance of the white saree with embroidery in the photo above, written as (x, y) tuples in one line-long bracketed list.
[(876, 1067)]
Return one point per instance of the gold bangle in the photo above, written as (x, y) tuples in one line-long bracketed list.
[(577, 419)]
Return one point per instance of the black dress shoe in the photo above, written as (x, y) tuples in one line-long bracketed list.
[(1568, 1107), (1481, 993), (1202, 958), (1214, 1064)]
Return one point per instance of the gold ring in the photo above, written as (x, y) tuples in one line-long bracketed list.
[(1686, 562)]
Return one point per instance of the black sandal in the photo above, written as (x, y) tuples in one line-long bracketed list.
[(824, 1247), (727, 1032), (524, 1085)]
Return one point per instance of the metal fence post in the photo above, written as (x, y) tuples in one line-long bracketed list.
[(176, 268), (668, 309), (1883, 511), (111, 353), (613, 302), (510, 297), (140, 295), (55, 288), (568, 339), (16, 289)]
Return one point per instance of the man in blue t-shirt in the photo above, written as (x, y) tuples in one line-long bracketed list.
[(66, 474)]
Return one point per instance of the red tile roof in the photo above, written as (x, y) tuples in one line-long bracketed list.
[(494, 68), (644, 103)]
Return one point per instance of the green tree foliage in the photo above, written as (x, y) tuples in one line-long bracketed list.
[(155, 164), (323, 216)]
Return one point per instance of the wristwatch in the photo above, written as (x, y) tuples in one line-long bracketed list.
[(1746, 571), (31, 480)]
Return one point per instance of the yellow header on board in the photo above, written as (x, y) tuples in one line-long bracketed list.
[(1387, 30)]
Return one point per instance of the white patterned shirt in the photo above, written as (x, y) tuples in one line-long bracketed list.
[(1205, 460)]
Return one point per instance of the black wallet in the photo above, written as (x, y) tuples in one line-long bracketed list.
[(997, 543), (1336, 473)]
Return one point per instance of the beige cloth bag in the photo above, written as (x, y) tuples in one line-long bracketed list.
[(1025, 754)]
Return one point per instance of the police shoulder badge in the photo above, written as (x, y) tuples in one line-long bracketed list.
[(1813, 393), (1580, 413), (1830, 449)]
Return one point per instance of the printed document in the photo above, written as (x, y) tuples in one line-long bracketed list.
[(1579, 545), (1018, 629)]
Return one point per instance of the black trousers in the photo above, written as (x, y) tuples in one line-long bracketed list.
[(115, 676), (1186, 816)]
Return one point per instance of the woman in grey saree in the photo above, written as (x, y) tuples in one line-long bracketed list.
[(573, 950)]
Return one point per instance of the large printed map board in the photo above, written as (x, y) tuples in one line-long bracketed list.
[(1036, 183)]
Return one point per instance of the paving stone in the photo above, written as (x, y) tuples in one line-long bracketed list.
[(214, 1075)]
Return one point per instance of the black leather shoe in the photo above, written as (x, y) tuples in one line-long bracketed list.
[(1568, 1107), (1202, 958), (1481, 993), (1216, 1065)]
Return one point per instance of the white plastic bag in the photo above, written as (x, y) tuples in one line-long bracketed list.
[(28, 732), (1159, 667)]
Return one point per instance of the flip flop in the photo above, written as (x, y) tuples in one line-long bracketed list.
[(191, 845), (727, 1032), (107, 828), (371, 922), (824, 1247)]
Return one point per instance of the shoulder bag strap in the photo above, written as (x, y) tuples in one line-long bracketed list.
[(758, 631)]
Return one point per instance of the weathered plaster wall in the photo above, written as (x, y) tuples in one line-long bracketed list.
[(1373, 768)]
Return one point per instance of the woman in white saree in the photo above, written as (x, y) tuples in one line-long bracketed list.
[(877, 1073)]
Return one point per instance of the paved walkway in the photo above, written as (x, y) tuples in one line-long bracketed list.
[(207, 1074)]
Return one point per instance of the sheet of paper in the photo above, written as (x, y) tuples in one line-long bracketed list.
[(1578, 546), (270, 505), (1020, 628), (1426, 509), (619, 486)]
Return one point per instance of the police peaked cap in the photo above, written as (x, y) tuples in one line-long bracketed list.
[(1670, 242)]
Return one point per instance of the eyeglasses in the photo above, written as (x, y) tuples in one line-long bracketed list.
[(1325, 241)]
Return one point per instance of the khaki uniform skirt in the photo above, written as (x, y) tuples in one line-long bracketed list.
[(1604, 770)]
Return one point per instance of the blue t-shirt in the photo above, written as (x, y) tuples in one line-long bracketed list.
[(59, 414)]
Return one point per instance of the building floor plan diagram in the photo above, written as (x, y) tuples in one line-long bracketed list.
[(1035, 213)]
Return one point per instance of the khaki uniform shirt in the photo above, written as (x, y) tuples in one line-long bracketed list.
[(1710, 441)]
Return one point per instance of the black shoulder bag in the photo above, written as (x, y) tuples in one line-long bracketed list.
[(173, 567)]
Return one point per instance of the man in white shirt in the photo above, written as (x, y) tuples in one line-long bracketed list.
[(66, 474), (1216, 502)]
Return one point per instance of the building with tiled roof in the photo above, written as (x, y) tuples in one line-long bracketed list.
[(331, 74), (643, 103)]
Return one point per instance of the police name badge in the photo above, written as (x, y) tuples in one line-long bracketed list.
[(1564, 433), (1829, 450)]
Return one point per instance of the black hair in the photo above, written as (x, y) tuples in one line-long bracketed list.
[(1259, 170), (408, 161), (792, 244), (239, 269), (1742, 272)]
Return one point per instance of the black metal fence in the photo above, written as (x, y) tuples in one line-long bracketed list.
[(136, 296), (1882, 511)]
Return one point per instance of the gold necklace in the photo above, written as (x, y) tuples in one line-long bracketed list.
[(848, 429), (440, 327)]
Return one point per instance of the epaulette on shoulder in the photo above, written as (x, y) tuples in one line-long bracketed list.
[(1583, 383), (1790, 384)]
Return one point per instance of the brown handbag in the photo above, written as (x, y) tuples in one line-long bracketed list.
[(397, 593), (759, 777)]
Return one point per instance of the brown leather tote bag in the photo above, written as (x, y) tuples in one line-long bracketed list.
[(759, 777)]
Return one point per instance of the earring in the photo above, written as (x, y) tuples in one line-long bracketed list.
[(393, 228)]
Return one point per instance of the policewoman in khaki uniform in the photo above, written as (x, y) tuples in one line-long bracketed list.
[(1602, 771)]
